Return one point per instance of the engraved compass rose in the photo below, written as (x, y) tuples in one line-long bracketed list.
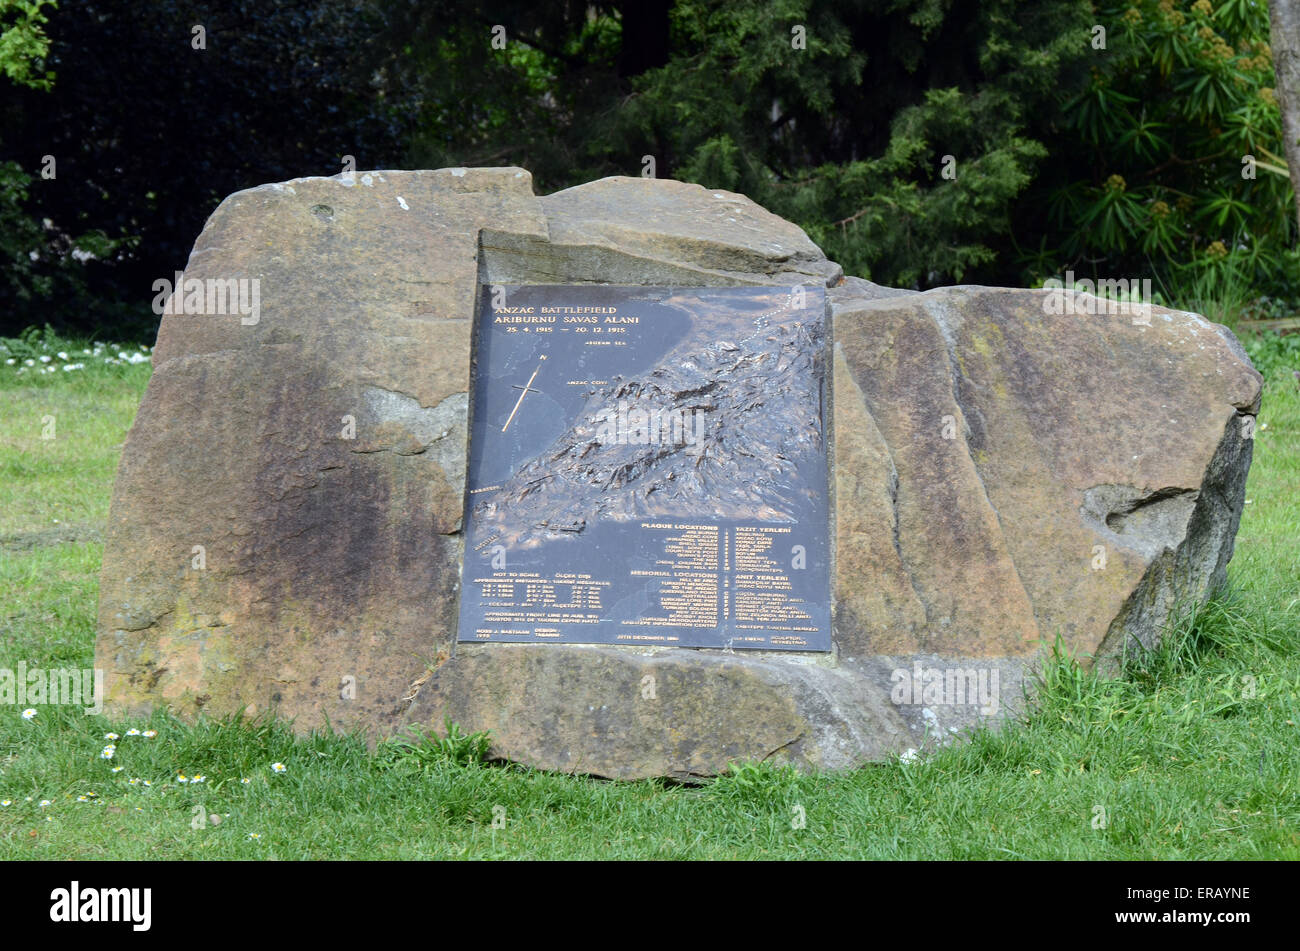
[(526, 388)]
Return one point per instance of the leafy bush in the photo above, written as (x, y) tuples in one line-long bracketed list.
[(921, 143), (762, 783), (1275, 355), (421, 751), (1170, 168)]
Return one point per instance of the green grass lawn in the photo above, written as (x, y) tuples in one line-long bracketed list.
[(1193, 754)]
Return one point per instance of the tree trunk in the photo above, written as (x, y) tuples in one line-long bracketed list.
[(1284, 17)]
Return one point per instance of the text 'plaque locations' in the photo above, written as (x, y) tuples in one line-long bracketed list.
[(648, 466)]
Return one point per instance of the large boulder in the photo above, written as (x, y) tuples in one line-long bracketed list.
[(285, 532)]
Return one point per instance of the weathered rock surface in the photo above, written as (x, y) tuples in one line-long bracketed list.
[(987, 457)]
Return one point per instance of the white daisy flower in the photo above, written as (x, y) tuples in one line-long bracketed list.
[(245, 781), (29, 713), (254, 835), (133, 732), (182, 778), (197, 779), (107, 752), (6, 802), (149, 733), (279, 767), (110, 736), (44, 803), (118, 769)]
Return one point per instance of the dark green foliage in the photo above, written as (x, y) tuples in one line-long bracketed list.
[(1170, 168), (838, 118), (919, 142), (148, 134)]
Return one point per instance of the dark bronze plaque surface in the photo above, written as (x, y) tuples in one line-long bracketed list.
[(647, 466)]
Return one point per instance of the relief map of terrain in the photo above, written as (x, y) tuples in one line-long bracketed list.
[(648, 467)]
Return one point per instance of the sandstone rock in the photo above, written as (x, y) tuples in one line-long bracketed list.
[(1071, 476), (984, 451)]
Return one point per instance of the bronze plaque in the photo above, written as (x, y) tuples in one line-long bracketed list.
[(647, 466)]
